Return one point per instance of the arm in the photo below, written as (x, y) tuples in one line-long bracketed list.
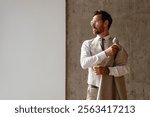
[(86, 60), (119, 68), (118, 71)]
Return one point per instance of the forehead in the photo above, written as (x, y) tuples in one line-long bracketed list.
[(96, 17)]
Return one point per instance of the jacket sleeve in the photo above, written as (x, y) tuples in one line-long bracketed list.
[(120, 68)]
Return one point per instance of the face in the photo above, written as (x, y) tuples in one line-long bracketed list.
[(97, 25)]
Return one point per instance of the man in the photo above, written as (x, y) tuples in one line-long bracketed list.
[(105, 60)]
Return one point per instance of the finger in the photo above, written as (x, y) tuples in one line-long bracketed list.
[(115, 51), (96, 71), (115, 47), (96, 66)]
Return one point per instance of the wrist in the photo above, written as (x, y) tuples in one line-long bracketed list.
[(106, 53)]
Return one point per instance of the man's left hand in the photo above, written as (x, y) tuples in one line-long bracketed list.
[(99, 70)]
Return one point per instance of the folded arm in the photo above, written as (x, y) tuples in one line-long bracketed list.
[(119, 69), (87, 60)]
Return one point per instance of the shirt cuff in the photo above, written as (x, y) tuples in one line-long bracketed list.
[(113, 71), (102, 55), (118, 71)]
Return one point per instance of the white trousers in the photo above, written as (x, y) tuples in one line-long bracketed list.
[(92, 92)]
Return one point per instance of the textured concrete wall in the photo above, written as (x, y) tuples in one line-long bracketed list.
[(131, 25)]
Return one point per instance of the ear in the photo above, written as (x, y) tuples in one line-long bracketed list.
[(106, 23)]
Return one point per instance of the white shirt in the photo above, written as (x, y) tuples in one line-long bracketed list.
[(88, 61)]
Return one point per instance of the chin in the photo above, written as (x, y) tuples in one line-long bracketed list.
[(94, 33), (97, 33)]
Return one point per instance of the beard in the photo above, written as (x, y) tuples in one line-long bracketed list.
[(96, 31)]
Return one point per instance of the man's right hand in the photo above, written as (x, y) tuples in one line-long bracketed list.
[(112, 50)]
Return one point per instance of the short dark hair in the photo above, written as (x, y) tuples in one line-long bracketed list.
[(104, 16)]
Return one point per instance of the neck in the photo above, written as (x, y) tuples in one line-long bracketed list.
[(104, 34)]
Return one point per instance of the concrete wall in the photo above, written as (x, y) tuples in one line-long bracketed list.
[(131, 25)]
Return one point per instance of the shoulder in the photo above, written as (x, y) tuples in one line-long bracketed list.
[(88, 42)]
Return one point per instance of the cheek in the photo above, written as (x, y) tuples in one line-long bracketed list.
[(98, 25)]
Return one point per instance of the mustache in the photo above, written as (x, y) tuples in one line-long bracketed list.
[(94, 27)]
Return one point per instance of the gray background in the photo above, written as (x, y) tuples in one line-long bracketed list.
[(131, 25), (32, 49)]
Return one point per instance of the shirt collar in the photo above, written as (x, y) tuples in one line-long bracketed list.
[(106, 37)]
